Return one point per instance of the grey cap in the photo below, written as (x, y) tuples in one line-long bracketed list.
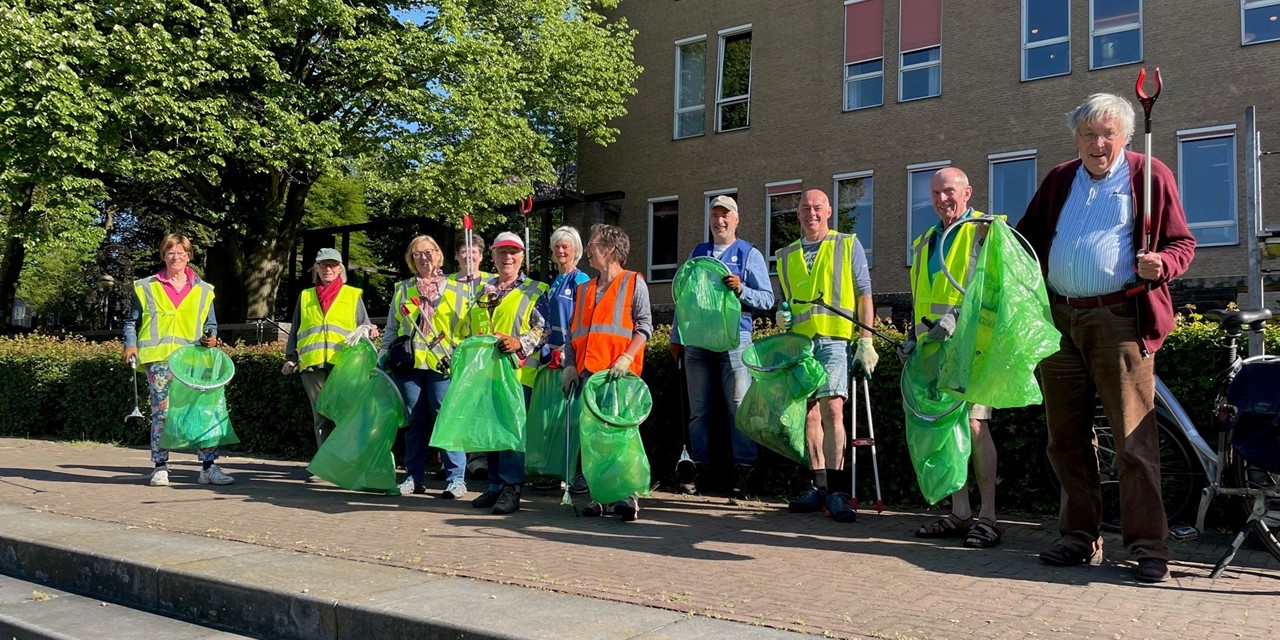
[(725, 202), (329, 253)]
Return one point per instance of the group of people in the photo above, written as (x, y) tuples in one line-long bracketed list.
[(1106, 267)]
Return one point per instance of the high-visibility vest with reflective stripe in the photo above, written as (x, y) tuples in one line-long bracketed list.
[(935, 296), (445, 324), (165, 328), (601, 331), (320, 333), (829, 276), (511, 317), (463, 294)]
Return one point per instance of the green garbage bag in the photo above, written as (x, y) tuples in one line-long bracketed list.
[(938, 436), (783, 376), (357, 455), (349, 376), (197, 416), (545, 452), (1006, 297), (484, 407), (613, 458), (707, 312)]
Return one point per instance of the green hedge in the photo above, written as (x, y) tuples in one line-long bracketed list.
[(74, 390)]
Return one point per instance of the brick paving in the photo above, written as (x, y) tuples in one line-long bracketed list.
[(750, 562)]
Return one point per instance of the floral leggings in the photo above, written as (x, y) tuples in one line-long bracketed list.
[(158, 379)]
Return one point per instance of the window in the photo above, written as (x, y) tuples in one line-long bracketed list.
[(782, 202), (664, 224), (1013, 182), (920, 40), (1259, 21), (1207, 183), (691, 87), (863, 54), (733, 101), (1116, 32), (855, 193), (1046, 38), (707, 197), (920, 213)]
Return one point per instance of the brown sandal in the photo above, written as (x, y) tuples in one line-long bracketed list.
[(984, 534), (948, 527)]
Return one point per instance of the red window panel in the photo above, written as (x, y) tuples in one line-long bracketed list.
[(863, 31), (780, 189), (921, 24)]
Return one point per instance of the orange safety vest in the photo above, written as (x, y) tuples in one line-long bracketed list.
[(602, 331)]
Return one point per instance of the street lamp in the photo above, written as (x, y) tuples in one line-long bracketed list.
[(105, 284)]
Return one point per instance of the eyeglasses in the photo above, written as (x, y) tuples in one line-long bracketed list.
[(426, 253), (1089, 136), (328, 265), (176, 254)]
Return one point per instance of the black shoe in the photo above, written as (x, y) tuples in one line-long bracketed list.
[(579, 485), (840, 508), (1152, 570), (627, 510), (742, 483), (810, 501), (545, 484), (508, 501), (688, 472), (595, 510), (487, 499), (1061, 555)]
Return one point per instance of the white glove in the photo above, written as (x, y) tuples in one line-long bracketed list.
[(568, 378), (782, 319), (620, 367), (904, 352), (288, 368), (866, 356), (943, 328)]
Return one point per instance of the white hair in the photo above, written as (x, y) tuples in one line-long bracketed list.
[(570, 235), (1101, 106)]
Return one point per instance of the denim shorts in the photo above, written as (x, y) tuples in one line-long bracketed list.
[(833, 355)]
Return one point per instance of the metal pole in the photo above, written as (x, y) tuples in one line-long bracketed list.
[(1253, 204)]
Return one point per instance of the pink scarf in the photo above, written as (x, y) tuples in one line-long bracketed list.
[(327, 293)]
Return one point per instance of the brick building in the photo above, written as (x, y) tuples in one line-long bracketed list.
[(865, 99)]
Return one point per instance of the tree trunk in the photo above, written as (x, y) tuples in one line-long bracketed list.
[(15, 254)]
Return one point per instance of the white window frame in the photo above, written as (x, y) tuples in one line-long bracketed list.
[(1001, 158), (723, 102), (707, 197), (649, 253), (1046, 43), (768, 215), (848, 80), (1246, 5), (1141, 28), (918, 168), (867, 247), (903, 69), (1208, 133), (677, 111)]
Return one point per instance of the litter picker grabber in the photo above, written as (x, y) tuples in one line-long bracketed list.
[(844, 314), (855, 441), (133, 370), (566, 500), (1148, 101), (526, 207), (684, 447)]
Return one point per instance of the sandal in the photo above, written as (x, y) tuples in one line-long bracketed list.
[(984, 534), (948, 527)]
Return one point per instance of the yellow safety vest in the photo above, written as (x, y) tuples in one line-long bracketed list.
[(322, 335), (165, 328), (511, 317), (935, 296), (830, 276), (463, 295), (446, 323)]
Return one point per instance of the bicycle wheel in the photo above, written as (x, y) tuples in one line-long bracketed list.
[(1248, 476), (1181, 476)]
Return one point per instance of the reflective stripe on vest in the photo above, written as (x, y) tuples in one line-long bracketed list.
[(322, 334), (602, 331), (935, 296), (463, 293), (165, 328), (445, 323), (830, 276), (511, 317)]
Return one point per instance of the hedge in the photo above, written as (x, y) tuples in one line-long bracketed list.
[(74, 390)]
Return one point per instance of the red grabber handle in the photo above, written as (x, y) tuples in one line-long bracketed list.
[(466, 223), (1147, 101), (526, 205)]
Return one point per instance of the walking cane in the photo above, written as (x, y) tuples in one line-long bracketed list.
[(1148, 101)]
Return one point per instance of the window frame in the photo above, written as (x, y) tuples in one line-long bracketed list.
[(732, 100), (770, 259), (844, 98), (918, 168), (649, 251), (1140, 28), (836, 179), (677, 110), (1027, 46), (1004, 158), (1211, 133), (903, 69), (1248, 5)]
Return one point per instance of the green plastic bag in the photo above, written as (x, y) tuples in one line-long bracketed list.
[(197, 416), (1006, 297), (347, 379), (545, 453), (784, 373), (357, 455), (484, 407), (613, 458), (938, 436), (707, 312)]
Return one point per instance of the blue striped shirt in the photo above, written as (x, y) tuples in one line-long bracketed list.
[(1092, 253)]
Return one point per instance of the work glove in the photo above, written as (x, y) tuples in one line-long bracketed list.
[(568, 378), (445, 361), (373, 332), (904, 351), (288, 368), (943, 328), (209, 341), (382, 360), (555, 358), (865, 356), (508, 344), (620, 367), (677, 350), (783, 319), (130, 354), (733, 282)]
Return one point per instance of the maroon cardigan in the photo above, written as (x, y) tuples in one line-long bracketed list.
[(1169, 233)]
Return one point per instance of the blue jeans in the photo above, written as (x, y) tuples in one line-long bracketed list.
[(506, 468), (422, 418), (701, 367)]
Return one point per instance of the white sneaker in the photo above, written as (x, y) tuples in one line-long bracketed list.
[(160, 477), (214, 475), (455, 490)]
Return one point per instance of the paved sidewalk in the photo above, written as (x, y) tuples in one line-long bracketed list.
[(704, 557)]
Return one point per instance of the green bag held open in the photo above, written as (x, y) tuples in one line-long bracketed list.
[(613, 458), (1006, 297), (545, 451), (484, 407), (938, 436), (784, 373), (357, 455), (197, 416), (347, 379), (707, 312)]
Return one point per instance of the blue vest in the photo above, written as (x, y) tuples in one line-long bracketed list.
[(735, 258)]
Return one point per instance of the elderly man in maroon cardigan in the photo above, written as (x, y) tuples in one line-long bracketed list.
[(1110, 300)]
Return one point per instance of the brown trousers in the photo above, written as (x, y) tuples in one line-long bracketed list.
[(1101, 353)]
